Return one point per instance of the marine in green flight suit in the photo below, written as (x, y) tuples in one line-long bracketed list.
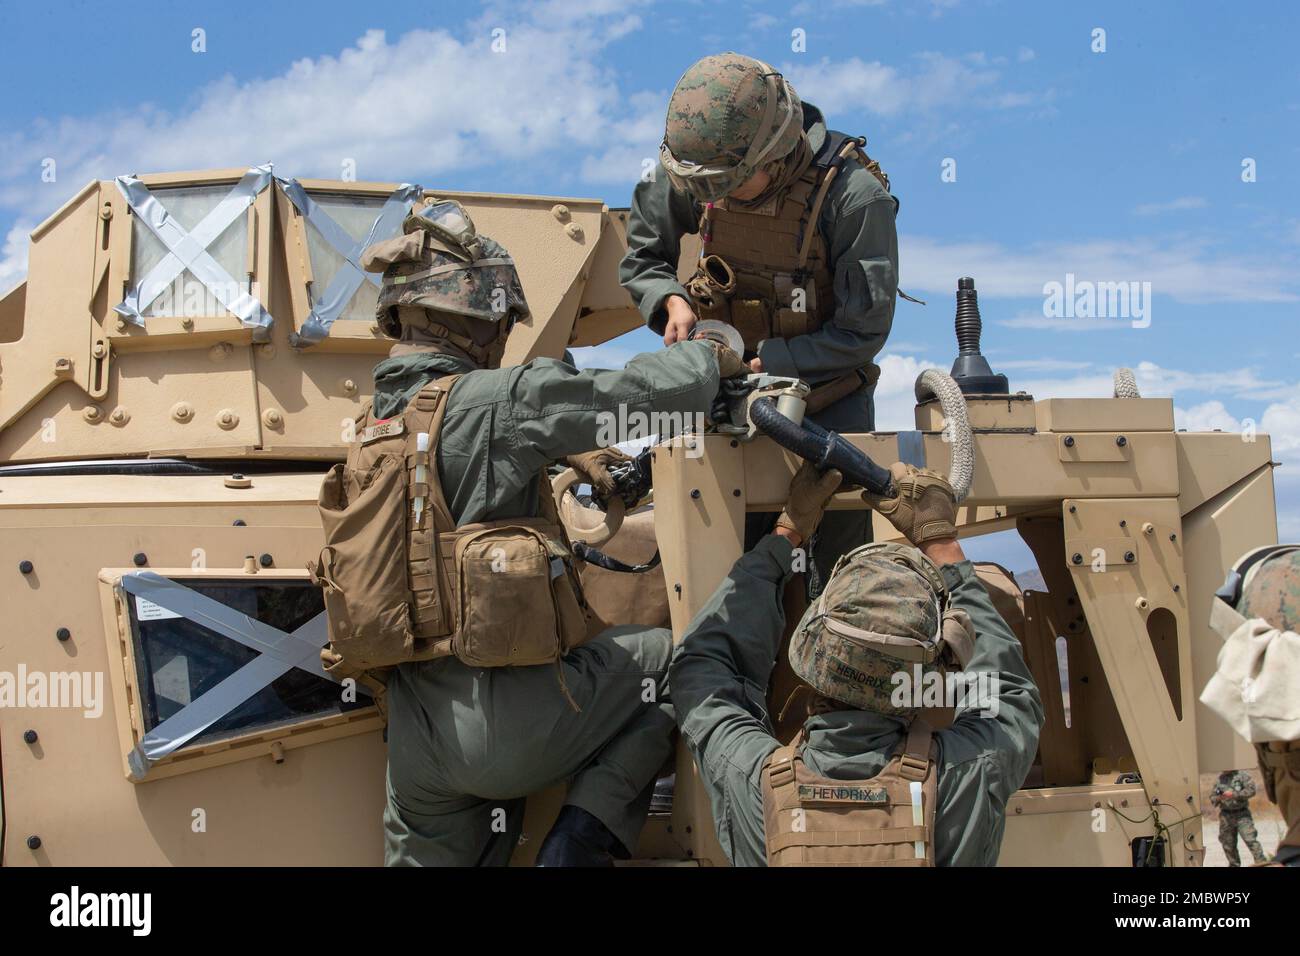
[(467, 744), (710, 160), (720, 673)]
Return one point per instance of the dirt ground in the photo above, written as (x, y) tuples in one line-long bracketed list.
[(1268, 821)]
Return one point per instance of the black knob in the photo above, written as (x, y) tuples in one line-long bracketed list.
[(25, 567), (240, 523), (33, 842), (1077, 558), (971, 370), (266, 560), (29, 736), (1069, 441), (140, 559), (1121, 441), (63, 634), (1130, 557)]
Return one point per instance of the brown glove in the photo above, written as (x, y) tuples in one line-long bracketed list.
[(593, 467), (810, 492), (729, 363), (925, 508)]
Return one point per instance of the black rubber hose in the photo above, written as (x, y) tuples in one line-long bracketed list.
[(824, 449), (585, 552)]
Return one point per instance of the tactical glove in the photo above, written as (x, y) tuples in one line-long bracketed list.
[(592, 467), (924, 508), (810, 492), (729, 363)]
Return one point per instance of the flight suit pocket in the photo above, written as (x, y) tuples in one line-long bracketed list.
[(870, 282)]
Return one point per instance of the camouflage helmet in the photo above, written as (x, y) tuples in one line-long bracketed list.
[(884, 611), (1264, 583), (728, 117), (443, 265)]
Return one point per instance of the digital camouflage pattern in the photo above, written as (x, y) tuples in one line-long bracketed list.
[(887, 590), (1231, 794), (1239, 784), (1273, 592), (1239, 823), (717, 107), (421, 271)]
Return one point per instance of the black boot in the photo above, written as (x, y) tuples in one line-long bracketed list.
[(579, 839)]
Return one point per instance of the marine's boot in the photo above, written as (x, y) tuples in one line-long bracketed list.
[(579, 839)]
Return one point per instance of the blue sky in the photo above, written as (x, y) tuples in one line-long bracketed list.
[(1123, 165)]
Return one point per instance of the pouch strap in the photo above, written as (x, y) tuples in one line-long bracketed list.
[(873, 837), (914, 764), (828, 393), (849, 148)]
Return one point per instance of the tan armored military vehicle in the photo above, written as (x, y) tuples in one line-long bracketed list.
[(186, 357)]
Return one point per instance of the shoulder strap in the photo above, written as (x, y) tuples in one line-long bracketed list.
[(914, 763), (780, 765), (433, 399), (849, 146)]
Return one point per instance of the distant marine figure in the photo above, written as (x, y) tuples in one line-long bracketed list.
[(1231, 794)]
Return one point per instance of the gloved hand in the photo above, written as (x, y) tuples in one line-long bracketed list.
[(924, 508), (592, 467), (810, 492), (729, 363)]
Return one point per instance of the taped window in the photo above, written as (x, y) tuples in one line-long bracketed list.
[(215, 665), (331, 229), (356, 215), (186, 294), (178, 659)]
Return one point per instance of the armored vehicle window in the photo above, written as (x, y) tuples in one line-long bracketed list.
[(355, 214), (187, 295), (179, 659)]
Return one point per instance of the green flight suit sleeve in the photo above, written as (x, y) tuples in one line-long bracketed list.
[(857, 222), (988, 750), (659, 218), (719, 679), (552, 410)]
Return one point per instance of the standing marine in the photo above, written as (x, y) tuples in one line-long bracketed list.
[(1231, 794), (800, 252), (865, 780), (447, 573), (1256, 686)]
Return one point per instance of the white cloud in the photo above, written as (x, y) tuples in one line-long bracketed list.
[(935, 81), (1185, 269), (895, 392), (376, 102), (13, 257), (1281, 420), (633, 141), (1206, 417), (1174, 205)]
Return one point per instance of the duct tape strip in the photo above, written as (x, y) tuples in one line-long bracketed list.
[(350, 275), (911, 449), (188, 250), (279, 652)]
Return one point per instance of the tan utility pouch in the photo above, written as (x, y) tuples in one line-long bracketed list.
[(495, 594), (796, 309), (517, 602), (362, 567)]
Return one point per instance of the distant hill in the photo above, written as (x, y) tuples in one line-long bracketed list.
[(1031, 580)]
